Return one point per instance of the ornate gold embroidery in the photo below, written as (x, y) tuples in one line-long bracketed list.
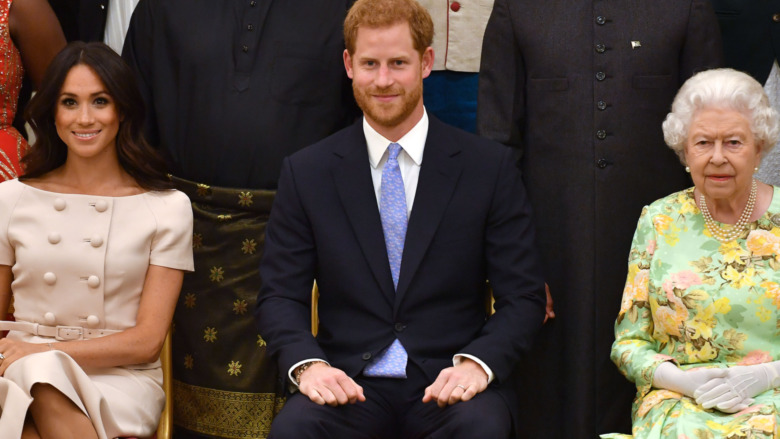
[(225, 217), (188, 361), (203, 190), (260, 341), (245, 199), (210, 334), (197, 241), (189, 300), (249, 246), (230, 415), (234, 368), (239, 307), (217, 274)]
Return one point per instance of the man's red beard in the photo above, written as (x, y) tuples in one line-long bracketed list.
[(387, 114)]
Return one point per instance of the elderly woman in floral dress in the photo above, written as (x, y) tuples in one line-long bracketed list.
[(699, 321)]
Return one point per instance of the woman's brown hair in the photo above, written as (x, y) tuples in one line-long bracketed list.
[(49, 152)]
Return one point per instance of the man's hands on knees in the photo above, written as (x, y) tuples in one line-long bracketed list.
[(324, 384), (457, 383)]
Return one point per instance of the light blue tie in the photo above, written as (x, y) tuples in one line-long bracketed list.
[(392, 210)]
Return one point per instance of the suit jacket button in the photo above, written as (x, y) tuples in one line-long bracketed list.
[(50, 278), (54, 238), (59, 204), (776, 18), (601, 105), (399, 327), (600, 48), (600, 20), (601, 134), (93, 321), (600, 76), (367, 356), (602, 163), (455, 6), (96, 241)]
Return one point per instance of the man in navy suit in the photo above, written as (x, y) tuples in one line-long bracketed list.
[(400, 219)]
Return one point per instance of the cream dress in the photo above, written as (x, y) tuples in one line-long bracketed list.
[(80, 261)]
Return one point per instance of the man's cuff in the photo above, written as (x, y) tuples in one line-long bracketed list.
[(456, 360), (293, 384)]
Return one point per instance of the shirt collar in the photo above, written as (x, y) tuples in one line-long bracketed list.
[(412, 142)]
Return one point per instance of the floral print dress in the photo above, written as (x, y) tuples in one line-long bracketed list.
[(700, 303)]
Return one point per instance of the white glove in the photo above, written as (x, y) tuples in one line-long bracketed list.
[(669, 376), (736, 390)]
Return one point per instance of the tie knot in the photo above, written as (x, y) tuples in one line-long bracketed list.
[(394, 149)]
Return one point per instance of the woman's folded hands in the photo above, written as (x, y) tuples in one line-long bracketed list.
[(729, 390), (735, 391)]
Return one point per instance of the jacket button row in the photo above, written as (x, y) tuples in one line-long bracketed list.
[(367, 356)]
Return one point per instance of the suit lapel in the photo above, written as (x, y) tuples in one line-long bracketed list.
[(356, 190), (441, 168)]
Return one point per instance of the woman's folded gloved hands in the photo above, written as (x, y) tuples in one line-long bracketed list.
[(729, 390), (735, 391), (669, 376)]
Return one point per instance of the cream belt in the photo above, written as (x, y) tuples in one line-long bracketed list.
[(57, 332)]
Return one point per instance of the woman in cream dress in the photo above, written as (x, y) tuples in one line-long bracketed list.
[(93, 244)]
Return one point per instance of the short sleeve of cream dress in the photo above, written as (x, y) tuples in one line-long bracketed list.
[(80, 261)]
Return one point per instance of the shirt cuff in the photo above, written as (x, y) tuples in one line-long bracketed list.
[(293, 384), (456, 360)]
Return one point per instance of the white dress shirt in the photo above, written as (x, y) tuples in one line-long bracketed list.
[(409, 162)]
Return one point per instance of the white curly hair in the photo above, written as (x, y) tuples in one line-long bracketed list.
[(725, 89)]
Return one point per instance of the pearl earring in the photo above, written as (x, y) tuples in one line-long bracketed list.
[(688, 169), (755, 170)]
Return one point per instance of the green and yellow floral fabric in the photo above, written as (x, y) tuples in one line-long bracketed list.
[(700, 303)]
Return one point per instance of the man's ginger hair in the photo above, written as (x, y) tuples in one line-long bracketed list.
[(383, 13)]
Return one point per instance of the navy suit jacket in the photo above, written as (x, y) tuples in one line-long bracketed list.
[(470, 222)]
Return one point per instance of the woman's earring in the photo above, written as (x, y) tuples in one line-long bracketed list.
[(688, 169), (755, 170)]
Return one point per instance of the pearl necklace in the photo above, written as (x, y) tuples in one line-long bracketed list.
[(731, 232)]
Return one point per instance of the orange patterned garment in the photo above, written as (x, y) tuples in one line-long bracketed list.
[(12, 144)]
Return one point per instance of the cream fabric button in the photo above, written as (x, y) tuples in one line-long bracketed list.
[(93, 321), (101, 206), (54, 238), (49, 318), (96, 241), (93, 281), (59, 204), (50, 278)]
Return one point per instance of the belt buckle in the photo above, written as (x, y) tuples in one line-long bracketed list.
[(69, 333)]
